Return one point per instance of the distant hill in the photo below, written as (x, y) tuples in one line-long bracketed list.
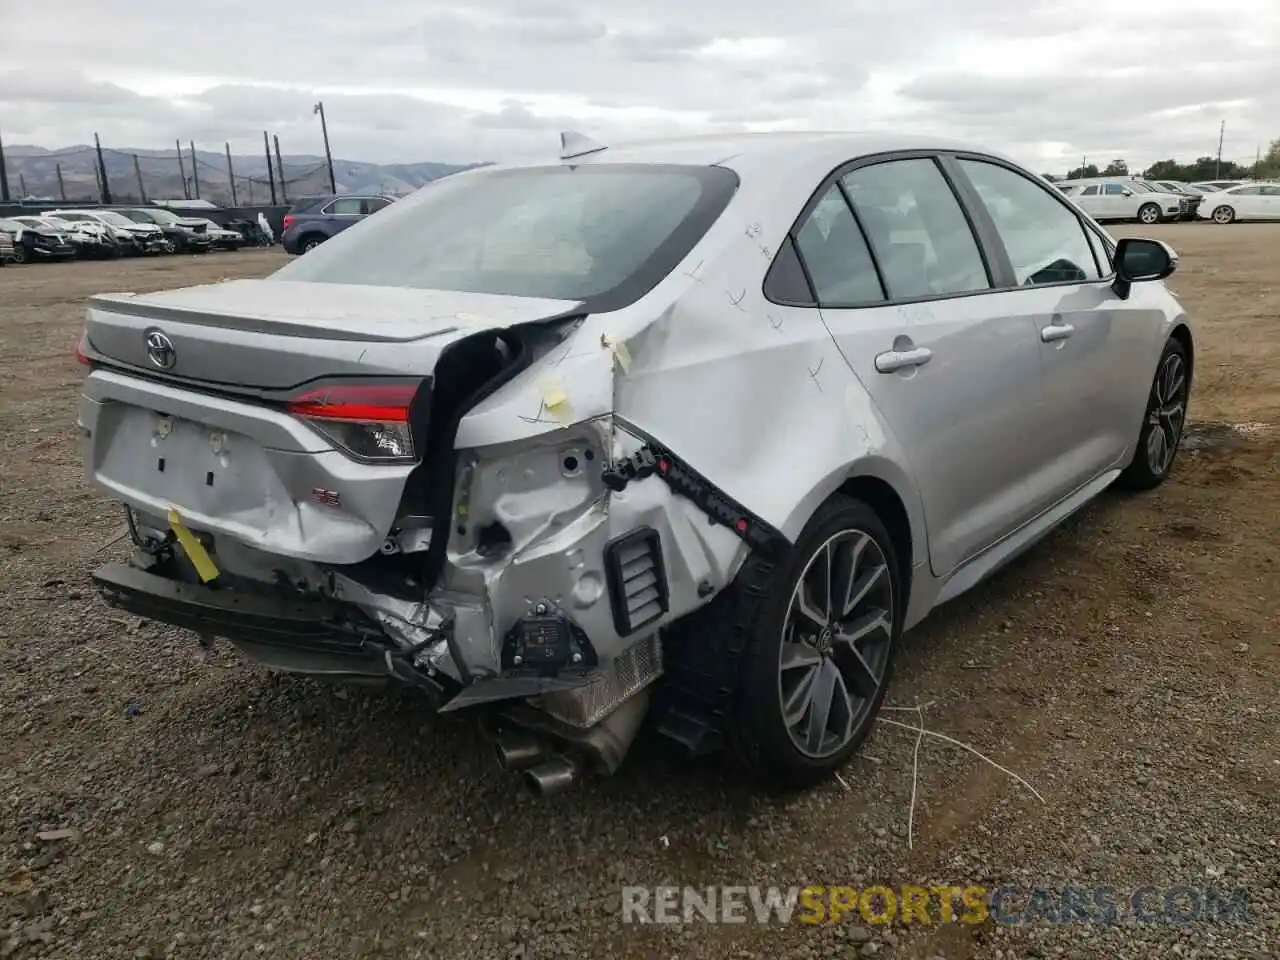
[(33, 172)]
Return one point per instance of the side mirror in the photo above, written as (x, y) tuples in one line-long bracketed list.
[(1127, 192), (1138, 261)]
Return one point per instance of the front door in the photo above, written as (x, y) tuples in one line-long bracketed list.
[(955, 380)]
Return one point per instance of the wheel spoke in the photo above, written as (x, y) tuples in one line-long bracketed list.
[(797, 656), (824, 692), (862, 628), (796, 701), (862, 586)]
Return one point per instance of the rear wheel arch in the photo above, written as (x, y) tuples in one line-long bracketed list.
[(881, 497)]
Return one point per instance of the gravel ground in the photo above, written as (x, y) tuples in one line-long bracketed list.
[(155, 803)]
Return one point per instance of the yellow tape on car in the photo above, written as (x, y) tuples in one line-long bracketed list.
[(193, 548)]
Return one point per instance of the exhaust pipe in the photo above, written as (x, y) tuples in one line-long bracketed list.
[(518, 749), (552, 776)]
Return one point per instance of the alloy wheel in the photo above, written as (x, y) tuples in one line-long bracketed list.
[(1168, 413), (1223, 215), (837, 636), (1149, 214)]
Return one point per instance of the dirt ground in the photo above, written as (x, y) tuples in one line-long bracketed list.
[(1128, 669)]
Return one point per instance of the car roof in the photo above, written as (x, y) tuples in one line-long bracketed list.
[(741, 150)]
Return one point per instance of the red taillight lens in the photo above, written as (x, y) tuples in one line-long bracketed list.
[(368, 421), (285, 224), (81, 356)]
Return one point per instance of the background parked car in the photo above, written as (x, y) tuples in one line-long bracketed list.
[(1218, 184), (37, 243), (221, 237), (313, 220), (1187, 201), (92, 240), (133, 237), (1117, 199), (6, 248), (1250, 201), (186, 236)]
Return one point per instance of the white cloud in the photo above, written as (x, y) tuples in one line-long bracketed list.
[(1047, 80)]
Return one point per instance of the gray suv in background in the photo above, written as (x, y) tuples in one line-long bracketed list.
[(313, 220)]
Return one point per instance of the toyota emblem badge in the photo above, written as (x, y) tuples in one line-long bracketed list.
[(160, 350)]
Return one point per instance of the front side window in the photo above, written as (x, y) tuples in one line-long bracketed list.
[(1090, 191), (1044, 239), (1114, 190), (836, 255), (917, 229), (604, 233), (373, 204)]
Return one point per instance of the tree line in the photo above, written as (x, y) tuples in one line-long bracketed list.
[(1203, 168)]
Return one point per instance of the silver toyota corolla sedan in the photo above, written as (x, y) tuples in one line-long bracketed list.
[(690, 429)]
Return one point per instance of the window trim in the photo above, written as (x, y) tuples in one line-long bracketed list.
[(1107, 272), (326, 212), (991, 247), (874, 159)]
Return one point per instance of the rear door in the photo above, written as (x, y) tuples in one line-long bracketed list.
[(1093, 348), (1248, 201), (343, 212), (1269, 205), (1090, 199), (1119, 202), (953, 375)]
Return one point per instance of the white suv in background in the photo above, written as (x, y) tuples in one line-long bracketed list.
[(1117, 199)]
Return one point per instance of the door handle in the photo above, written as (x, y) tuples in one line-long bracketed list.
[(1056, 331), (895, 360)]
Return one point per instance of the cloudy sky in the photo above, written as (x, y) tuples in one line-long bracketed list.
[(1046, 80)]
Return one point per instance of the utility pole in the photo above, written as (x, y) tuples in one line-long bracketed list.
[(104, 185), (182, 171), (271, 177), (22, 185), (62, 187), (284, 193), (231, 177), (195, 176), (137, 170), (328, 156), (4, 176), (1217, 170)]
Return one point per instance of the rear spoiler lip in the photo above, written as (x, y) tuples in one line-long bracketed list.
[(121, 303)]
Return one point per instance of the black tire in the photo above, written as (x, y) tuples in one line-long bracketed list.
[(1223, 214), (1149, 213), (1146, 471), (20, 253), (310, 242), (756, 605)]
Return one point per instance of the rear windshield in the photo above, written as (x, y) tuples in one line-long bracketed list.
[(601, 233)]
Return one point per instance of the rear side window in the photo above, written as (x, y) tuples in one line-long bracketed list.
[(836, 255), (345, 206), (1044, 239), (917, 229), (373, 204), (603, 233)]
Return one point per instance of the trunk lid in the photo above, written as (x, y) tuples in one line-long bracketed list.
[(207, 434), (271, 334)]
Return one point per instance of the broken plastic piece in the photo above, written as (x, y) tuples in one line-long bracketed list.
[(193, 548), (620, 351)]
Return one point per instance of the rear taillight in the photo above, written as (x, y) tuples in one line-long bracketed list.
[(81, 356), (285, 224), (369, 421)]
